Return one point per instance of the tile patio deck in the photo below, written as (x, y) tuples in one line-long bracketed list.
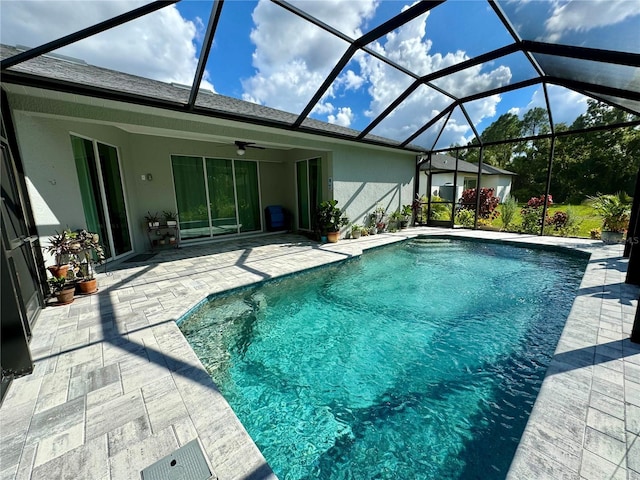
[(116, 386)]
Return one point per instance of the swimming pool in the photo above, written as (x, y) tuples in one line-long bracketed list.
[(416, 361)]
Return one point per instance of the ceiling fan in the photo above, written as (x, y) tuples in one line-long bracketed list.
[(242, 146)]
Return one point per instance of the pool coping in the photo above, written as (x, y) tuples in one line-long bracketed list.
[(121, 351)]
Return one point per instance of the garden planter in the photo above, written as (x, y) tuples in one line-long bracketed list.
[(611, 237), (65, 296), (356, 234), (332, 237), (58, 271), (86, 287)]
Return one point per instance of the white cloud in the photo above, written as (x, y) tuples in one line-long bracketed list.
[(580, 16), (566, 105), (158, 46), (409, 47), (344, 117), (293, 57)]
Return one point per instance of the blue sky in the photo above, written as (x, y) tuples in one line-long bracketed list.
[(264, 54)]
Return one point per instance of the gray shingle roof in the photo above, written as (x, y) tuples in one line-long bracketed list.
[(447, 163), (81, 73)]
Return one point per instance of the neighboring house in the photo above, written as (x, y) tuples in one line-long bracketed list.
[(440, 175), (104, 164)]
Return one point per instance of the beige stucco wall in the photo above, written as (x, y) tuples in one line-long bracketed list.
[(364, 178)]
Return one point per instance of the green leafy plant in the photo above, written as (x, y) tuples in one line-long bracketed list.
[(59, 246), (57, 284), (465, 217), (88, 251), (170, 216), (439, 210), (532, 214), (614, 210), (152, 217), (329, 217), (508, 211)]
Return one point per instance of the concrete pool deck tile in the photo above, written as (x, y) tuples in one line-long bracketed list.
[(597, 468), (116, 366)]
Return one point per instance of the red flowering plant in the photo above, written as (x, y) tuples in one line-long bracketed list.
[(532, 213), (488, 203)]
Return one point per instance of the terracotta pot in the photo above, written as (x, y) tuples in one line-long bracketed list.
[(65, 296), (88, 286), (332, 237), (58, 270)]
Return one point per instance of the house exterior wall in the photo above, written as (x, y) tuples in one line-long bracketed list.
[(361, 177), (50, 170), (364, 178), (501, 184)]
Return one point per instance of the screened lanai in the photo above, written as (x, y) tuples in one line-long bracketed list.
[(335, 98), (422, 77)]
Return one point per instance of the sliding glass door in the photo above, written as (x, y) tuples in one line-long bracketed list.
[(309, 186), (216, 196), (103, 200)]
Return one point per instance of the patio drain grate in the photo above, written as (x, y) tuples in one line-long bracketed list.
[(186, 463)]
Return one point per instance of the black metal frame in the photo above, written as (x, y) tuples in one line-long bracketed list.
[(527, 47)]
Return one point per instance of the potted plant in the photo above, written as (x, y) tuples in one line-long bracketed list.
[(396, 217), (59, 248), (615, 211), (377, 220), (171, 218), (62, 290), (329, 219), (88, 251), (407, 213), (356, 230), (152, 219)]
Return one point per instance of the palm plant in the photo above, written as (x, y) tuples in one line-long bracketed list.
[(614, 210)]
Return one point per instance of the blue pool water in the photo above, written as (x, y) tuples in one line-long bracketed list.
[(417, 361)]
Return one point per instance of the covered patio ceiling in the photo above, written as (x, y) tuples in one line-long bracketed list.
[(417, 76)]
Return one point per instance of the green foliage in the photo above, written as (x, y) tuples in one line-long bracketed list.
[(439, 210), (169, 216), (152, 217), (329, 217), (508, 210), (583, 164), (614, 210), (465, 217), (566, 224), (57, 284)]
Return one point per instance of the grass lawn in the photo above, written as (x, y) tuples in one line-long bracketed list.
[(587, 219)]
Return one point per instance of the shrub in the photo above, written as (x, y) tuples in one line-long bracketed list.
[(465, 217), (508, 212), (565, 223), (532, 213), (439, 210), (488, 203)]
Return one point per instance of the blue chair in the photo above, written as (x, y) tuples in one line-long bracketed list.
[(276, 218)]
